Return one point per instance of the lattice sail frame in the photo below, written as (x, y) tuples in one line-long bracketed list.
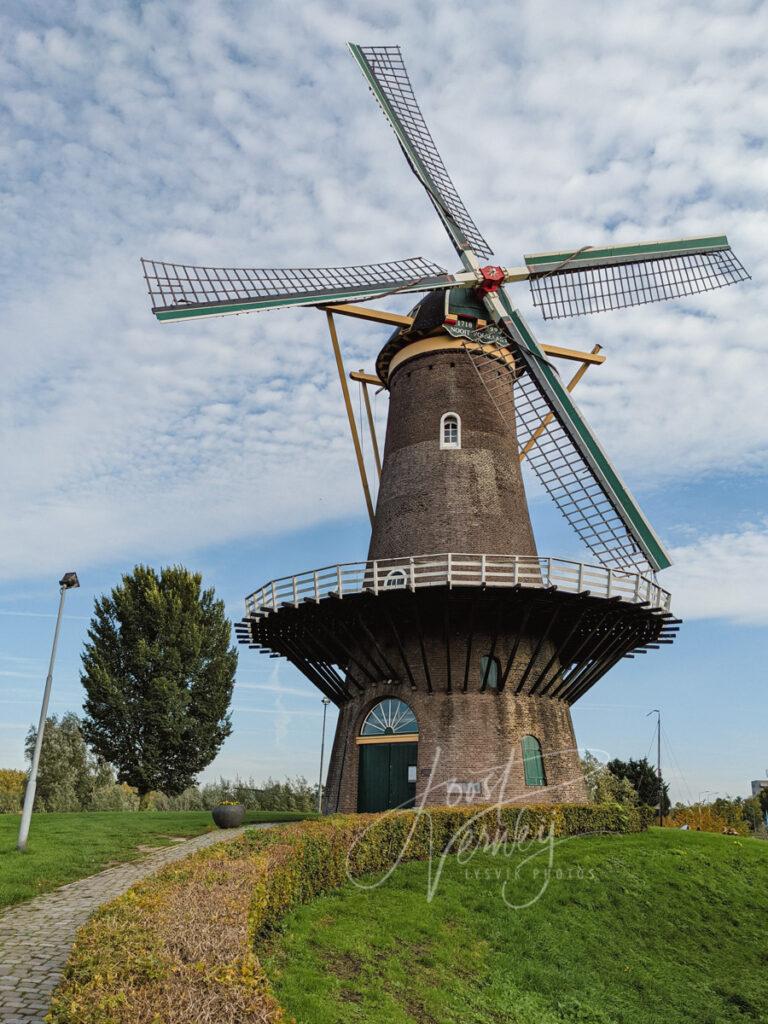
[(388, 80), (593, 281), (561, 468), (179, 292), (567, 455)]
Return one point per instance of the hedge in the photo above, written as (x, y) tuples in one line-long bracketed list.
[(180, 947)]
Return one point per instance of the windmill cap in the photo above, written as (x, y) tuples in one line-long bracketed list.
[(430, 313)]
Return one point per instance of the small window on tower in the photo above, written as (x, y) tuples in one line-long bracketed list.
[(450, 431)]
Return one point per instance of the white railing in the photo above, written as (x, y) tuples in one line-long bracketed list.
[(456, 570)]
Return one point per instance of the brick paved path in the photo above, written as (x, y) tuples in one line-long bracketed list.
[(36, 936)]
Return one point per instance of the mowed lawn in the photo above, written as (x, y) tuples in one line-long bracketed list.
[(63, 847), (665, 927)]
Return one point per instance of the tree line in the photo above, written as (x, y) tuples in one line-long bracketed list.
[(636, 782), (72, 778)]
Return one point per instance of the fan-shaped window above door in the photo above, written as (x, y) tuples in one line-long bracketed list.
[(390, 717)]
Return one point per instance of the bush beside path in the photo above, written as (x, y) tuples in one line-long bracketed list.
[(36, 936)]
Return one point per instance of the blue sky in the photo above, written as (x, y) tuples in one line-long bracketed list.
[(235, 133)]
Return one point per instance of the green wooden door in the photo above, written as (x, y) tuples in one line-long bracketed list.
[(402, 756), (386, 776), (373, 777)]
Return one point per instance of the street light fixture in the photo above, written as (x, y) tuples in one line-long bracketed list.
[(68, 581), (326, 701)]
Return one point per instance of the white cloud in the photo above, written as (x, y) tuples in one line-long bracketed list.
[(243, 134), (722, 576)]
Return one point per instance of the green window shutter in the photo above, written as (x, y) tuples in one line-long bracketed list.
[(533, 763), (490, 672)]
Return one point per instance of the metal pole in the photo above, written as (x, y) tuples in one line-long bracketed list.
[(658, 763), (326, 702), (29, 795), (706, 792), (658, 760)]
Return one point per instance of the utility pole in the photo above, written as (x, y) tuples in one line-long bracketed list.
[(706, 792), (658, 762), (326, 702), (67, 582)]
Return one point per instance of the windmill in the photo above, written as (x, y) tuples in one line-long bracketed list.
[(454, 648)]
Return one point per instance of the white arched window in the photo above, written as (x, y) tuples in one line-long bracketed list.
[(396, 578), (450, 430)]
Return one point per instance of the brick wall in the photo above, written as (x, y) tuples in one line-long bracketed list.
[(432, 500), (467, 737)]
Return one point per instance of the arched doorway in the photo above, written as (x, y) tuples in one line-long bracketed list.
[(389, 743)]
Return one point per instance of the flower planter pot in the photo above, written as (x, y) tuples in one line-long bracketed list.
[(230, 816)]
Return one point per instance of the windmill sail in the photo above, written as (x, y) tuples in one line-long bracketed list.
[(591, 280), (388, 80), (179, 292), (570, 462)]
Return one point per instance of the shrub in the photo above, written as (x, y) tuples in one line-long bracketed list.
[(12, 785), (179, 947), (114, 797), (290, 795), (189, 800), (708, 818), (603, 786)]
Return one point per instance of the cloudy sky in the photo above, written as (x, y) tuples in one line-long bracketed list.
[(243, 134)]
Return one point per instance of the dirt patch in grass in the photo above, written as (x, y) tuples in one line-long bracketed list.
[(346, 966)]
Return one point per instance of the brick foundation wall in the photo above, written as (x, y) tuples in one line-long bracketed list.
[(468, 737)]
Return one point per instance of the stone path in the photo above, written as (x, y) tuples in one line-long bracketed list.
[(36, 936)]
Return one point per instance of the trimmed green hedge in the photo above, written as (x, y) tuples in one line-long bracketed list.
[(180, 946)]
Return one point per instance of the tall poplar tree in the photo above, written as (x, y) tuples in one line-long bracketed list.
[(159, 672)]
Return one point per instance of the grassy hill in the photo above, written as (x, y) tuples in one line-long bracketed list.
[(664, 926)]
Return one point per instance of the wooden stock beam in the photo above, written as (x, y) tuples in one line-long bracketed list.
[(366, 378), (380, 316), (574, 354), (350, 413)]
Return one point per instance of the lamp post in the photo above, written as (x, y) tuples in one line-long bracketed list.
[(68, 581), (326, 701)]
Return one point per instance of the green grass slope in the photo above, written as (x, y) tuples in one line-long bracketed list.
[(664, 926), (64, 847)]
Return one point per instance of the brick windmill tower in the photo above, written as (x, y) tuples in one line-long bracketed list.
[(455, 650)]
